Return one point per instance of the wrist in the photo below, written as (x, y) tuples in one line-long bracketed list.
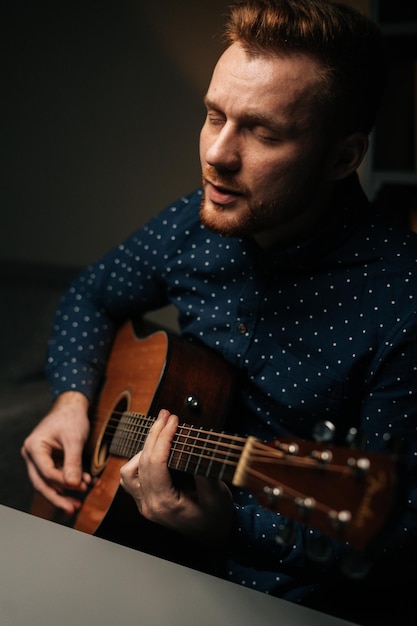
[(72, 400)]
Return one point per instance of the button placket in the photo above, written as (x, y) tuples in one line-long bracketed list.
[(246, 315)]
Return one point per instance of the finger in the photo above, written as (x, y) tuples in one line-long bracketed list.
[(42, 458), (72, 470), (53, 493), (162, 436), (130, 470), (129, 479), (156, 429), (49, 480), (154, 474)]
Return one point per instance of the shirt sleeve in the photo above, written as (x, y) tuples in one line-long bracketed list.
[(125, 283)]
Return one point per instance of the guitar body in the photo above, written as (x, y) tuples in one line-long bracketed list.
[(144, 374)]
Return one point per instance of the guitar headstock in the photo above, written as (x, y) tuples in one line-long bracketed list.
[(345, 493)]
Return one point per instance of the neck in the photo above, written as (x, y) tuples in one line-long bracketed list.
[(301, 227)]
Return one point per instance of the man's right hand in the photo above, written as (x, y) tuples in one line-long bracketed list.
[(53, 452)]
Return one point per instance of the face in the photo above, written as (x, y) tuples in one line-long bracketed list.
[(263, 155)]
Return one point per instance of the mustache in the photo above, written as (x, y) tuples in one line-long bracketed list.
[(224, 182)]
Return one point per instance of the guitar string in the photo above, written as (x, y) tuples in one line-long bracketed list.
[(114, 422), (182, 444), (223, 446), (200, 445), (262, 453), (128, 434), (143, 427)]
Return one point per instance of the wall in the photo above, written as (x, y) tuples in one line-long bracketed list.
[(102, 111)]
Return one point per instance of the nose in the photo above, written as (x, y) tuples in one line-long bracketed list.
[(222, 149)]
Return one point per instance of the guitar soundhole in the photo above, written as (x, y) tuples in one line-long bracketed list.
[(103, 445)]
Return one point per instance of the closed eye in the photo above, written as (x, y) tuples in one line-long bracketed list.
[(216, 119), (264, 134)]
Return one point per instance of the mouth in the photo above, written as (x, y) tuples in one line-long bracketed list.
[(219, 194)]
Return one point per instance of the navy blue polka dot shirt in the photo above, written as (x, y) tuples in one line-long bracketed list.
[(325, 330)]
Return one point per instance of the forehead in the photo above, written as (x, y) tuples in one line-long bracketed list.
[(274, 83)]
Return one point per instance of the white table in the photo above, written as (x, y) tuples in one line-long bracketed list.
[(56, 576)]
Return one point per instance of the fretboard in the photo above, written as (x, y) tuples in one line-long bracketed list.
[(193, 450)]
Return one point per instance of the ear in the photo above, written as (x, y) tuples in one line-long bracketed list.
[(347, 155)]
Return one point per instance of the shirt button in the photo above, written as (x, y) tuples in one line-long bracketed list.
[(242, 328)]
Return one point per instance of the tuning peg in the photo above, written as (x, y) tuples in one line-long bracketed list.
[(355, 438), (324, 431), (355, 565), (286, 535), (359, 466), (318, 548), (274, 494)]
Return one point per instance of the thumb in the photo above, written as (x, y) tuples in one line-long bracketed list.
[(72, 469)]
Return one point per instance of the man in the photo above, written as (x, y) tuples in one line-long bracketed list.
[(282, 266)]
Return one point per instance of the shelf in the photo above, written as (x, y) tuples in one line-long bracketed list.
[(389, 174), (379, 178)]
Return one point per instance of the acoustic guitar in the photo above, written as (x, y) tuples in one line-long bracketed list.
[(342, 491)]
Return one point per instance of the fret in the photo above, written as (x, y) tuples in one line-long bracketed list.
[(118, 441), (205, 453), (179, 450), (130, 434), (203, 450), (219, 455), (224, 464), (118, 444), (143, 426), (207, 461), (209, 467), (188, 451)]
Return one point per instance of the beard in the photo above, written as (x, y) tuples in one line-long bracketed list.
[(254, 217), (250, 222)]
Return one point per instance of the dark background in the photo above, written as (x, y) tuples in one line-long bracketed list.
[(101, 112)]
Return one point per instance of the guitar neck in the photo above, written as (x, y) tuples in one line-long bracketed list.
[(344, 492), (193, 451)]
